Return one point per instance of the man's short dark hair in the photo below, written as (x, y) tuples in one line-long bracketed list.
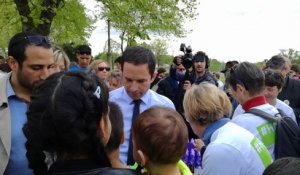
[(229, 65), (248, 75), (18, 43), (118, 59), (202, 56), (138, 55), (117, 127), (273, 78), (83, 48), (276, 62), (161, 70)]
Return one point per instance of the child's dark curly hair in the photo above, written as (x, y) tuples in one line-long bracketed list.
[(63, 119)]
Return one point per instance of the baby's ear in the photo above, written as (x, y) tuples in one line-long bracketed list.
[(141, 158)]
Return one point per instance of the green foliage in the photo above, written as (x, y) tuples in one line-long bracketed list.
[(70, 23), (114, 46), (136, 19), (103, 56), (261, 64), (294, 55), (291, 53), (166, 60), (69, 48), (215, 65), (9, 23), (159, 47)]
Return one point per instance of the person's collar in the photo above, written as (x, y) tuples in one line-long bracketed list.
[(145, 97), (15, 89), (256, 101), (212, 128)]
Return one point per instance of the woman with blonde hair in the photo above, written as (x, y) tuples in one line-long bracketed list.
[(101, 69), (230, 149), (61, 60)]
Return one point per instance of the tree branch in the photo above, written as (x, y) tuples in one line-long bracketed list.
[(24, 12), (47, 15)]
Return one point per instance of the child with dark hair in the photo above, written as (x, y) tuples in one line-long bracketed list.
[(68, 120), (160, 140), (117, 136)]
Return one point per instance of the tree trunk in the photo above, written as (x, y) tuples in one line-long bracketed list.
[(46, 16), (122, 41), (24, 12)]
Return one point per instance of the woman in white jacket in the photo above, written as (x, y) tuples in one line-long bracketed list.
[(230, 149)]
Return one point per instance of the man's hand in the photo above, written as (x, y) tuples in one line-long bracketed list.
[(177, 60), (187, 85), (198, 144)]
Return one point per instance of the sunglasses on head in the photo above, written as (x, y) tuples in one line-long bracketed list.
[(36, 40), (102, 68), (84, 52)]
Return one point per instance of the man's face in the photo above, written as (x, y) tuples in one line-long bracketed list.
[(199, 66), (180, 69), (271, 93), (84, 59), (58, 67), (136, 79), (36, 66), (114, 84)]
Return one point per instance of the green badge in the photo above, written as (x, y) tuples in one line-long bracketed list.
[(262, 152), (267, 133)]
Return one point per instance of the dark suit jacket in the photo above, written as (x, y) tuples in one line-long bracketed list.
[(291, 93)]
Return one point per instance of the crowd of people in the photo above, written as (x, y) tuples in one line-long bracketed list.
[(64, 118)]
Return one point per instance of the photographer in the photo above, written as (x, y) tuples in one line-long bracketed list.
[(196, 72)]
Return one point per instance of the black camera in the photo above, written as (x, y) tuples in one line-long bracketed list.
[(187, 58)]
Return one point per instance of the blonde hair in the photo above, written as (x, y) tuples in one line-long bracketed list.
[(59, 55), (95, 63), (206, 103)]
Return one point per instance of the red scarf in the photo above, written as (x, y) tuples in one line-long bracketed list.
[(256, 101)]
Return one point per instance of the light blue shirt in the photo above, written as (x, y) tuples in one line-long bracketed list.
[(18, 163), (79, 69), (125, 102)]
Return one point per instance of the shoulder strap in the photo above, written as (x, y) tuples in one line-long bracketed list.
[(281, 113), (262, 114)]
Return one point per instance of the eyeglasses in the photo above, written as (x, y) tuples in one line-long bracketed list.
[(84, 52), (36, 40), (102, 69)]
